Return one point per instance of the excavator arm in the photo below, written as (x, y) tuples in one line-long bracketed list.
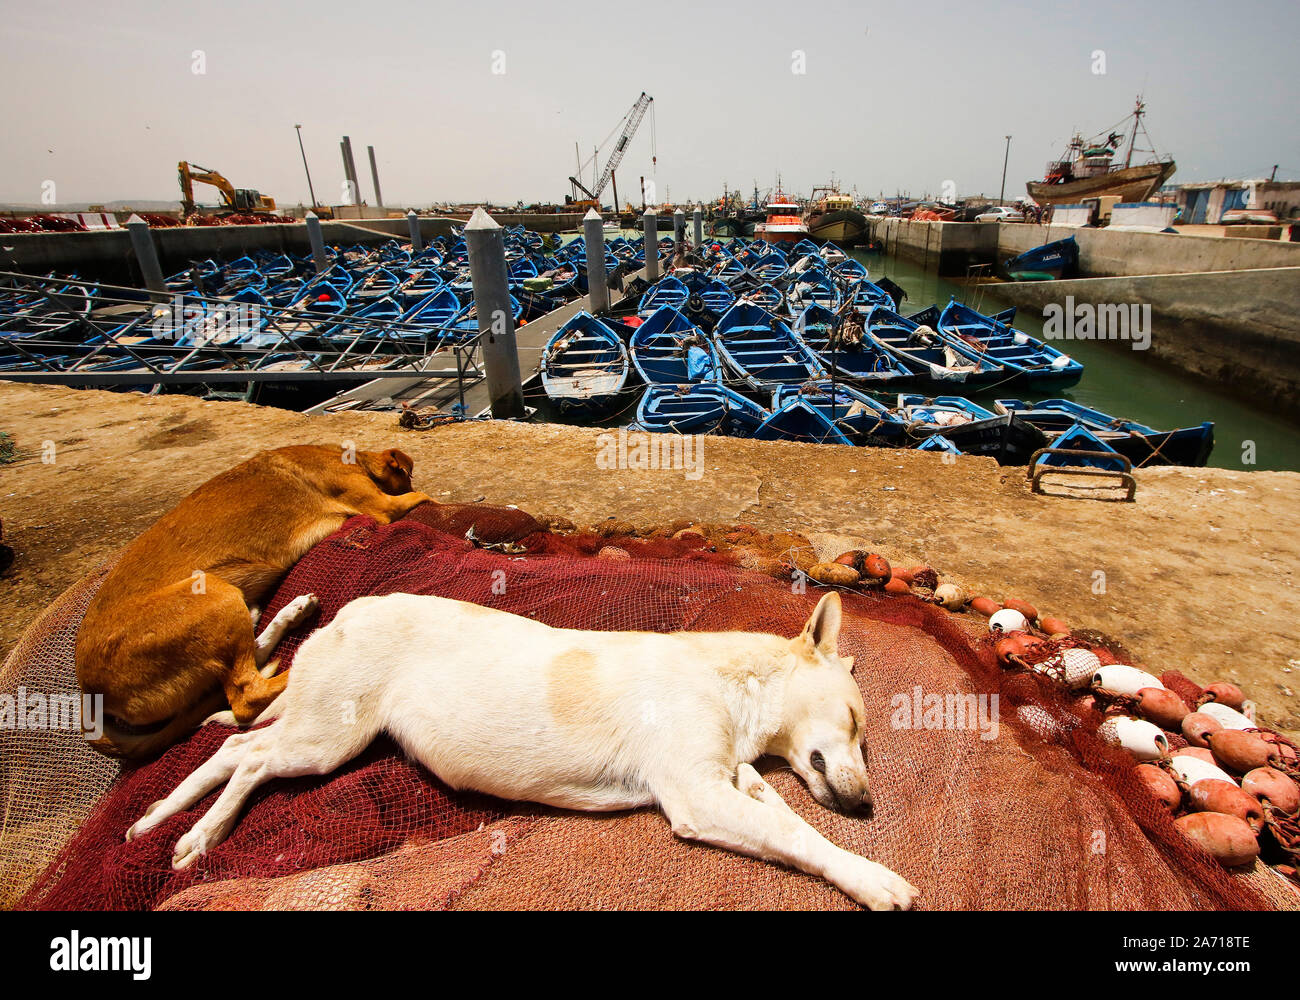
[(232, 198)]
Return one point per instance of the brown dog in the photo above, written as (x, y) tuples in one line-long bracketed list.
[(171, 629)]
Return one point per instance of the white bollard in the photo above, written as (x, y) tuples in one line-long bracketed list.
[(496, 322), (597, 284), (650, 223)]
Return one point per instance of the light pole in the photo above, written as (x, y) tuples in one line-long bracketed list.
[(1005, 157), (305, 167)]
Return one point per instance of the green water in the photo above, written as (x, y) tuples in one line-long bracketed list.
[(1123, 382)]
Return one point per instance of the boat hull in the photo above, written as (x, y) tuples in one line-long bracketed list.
[(1127, 184), (844, 227)]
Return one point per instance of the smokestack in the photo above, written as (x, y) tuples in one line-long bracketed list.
[(374, 176), (350, 170)]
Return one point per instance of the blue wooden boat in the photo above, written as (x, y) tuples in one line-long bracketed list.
[(1029, 361), (761, 351), (766, 297), (805, 248), (701, 408), (769, 267), (1079, 438), (669, 349), (1045, 263), (972, 428), (798, 419), (850, 270), (464, 327), (813, 287), (867, 295), (861, 418), (1140, 444), (707, 293), (937, 442), (435, 312), (863, 362), (667, 291), (926, 354), (585, 367)]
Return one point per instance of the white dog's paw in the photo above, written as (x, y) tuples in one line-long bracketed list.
[(142, 825), (224, 718), (189, 849), (880, 889), (300, 608)]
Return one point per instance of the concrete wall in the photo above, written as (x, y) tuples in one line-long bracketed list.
[(949, 248), (107, 256), (1237, 329), (1109, 253)]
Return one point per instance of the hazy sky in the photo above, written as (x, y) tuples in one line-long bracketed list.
[(102, 98)]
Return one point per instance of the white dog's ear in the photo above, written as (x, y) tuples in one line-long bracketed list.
[(823, 628), (848, 663)]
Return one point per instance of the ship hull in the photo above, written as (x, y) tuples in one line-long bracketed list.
[(1127, 184), (842, 227)]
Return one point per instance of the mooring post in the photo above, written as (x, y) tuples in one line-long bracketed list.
[(679, 230), (597, 287), (146, 254), (496, 322), (650, 222), (413, 224), (699, 225), (317, 241)]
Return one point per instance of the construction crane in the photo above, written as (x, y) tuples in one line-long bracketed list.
[(630, 123), (234, 199)]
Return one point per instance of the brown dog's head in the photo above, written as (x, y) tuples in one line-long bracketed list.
[(391, 469)]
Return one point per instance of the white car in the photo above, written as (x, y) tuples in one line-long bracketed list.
[(1001, 213)]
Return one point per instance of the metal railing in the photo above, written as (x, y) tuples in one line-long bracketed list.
[(71, 331)]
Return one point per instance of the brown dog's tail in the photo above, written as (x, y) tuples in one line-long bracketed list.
[(123, 741)]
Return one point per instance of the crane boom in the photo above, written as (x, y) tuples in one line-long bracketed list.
[(631, 122)]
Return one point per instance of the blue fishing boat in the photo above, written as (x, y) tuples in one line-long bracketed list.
[(767, 297), (669, 349), (769, 267), (667, 291), (850, 270), (1029, 361), (1079, 438), (861, 418), (700, 408), (926, 354), (798, 419), (464, 327), (1140, 444), (867, 295), (849, 354), (813, 287), (937, 442), (761, 351), (585, 367), (435, 312), (972, 428), (1046, 263)]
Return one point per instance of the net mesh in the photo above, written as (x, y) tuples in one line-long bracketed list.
[(1044, 816)]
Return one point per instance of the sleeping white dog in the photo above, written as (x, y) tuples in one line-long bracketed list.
[(502, 704)]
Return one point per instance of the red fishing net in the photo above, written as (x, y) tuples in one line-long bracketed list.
[(1042, 816)]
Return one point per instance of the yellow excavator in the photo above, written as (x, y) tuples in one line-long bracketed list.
[(233, 199)]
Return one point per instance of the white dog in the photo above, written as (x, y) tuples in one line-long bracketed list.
[(502, 704)]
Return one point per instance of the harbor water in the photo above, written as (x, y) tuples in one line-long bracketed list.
[(1123, 382)]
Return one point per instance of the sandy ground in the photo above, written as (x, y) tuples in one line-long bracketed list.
[(1197, 575)]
